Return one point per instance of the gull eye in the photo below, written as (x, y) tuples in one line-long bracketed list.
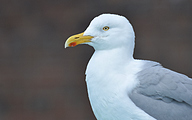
[(105, 28)]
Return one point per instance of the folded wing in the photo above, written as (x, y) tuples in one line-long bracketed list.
[(163, 94)]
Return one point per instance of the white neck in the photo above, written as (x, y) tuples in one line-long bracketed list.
[(110, 59)]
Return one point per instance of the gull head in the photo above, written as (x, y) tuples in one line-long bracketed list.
[(106, 31)]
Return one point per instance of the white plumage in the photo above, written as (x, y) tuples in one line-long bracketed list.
[(122, 88)]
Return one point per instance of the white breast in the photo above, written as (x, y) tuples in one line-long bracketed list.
[(108, 90)]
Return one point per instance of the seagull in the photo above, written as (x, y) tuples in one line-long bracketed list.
[(123, 88)]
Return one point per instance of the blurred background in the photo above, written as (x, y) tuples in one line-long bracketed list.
[(39, 80)]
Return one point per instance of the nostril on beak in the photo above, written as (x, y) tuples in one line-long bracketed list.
[(76, 37)]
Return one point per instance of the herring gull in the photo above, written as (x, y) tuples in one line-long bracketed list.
[(123, 88)]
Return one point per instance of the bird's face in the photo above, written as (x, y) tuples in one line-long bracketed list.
[(106, 31)]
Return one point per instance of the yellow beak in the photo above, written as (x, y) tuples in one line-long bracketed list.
[(77, 39)]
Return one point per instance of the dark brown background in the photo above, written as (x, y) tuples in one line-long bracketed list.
[(39, 80)]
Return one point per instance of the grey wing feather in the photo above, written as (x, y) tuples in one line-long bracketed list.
[(163, 94)]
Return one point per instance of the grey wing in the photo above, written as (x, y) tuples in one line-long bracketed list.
[(163, 94)]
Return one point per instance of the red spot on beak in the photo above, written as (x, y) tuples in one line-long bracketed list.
[(73, 44)]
